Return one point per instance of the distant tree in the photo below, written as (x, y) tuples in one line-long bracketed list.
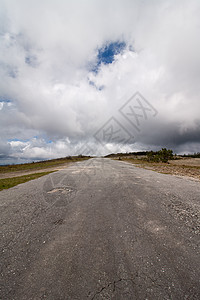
[(165, 155), (150, 156), (162, 155)]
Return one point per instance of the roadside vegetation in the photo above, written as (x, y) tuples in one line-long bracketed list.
[(162, 155), (7, 183), (195, 155), (41, 164), (13, 175), (164, 161)]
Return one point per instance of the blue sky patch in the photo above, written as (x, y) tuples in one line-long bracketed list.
[(5, 100), (107, 53), (18, 140)]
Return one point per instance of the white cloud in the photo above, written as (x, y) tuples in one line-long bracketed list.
[(45, 51)]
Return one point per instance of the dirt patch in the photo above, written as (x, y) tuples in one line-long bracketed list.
[(174, 167), (186, 162), (177, 170), (28, 172)]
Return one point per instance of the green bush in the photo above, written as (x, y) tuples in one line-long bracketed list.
[(162, 155)]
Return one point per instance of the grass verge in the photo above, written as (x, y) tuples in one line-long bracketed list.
[(7, 183), (173, 169), (42, 164)]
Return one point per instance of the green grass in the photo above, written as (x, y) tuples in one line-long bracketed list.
[(7, 183), (42, 164)]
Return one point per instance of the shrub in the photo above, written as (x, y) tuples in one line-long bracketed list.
[(162, 155)]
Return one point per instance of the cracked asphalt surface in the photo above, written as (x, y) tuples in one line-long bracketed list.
[(101, 229)]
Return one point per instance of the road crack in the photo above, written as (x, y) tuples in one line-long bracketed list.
[(113, 284)]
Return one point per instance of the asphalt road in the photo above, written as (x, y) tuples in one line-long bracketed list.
[(101, 229)]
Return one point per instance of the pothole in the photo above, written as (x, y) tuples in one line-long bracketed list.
[(62, 190), (60, 195), (59, 191)]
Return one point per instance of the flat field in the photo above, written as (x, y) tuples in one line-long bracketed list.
[(187, 167)]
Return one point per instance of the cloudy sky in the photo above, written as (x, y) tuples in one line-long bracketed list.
[(98, 76)]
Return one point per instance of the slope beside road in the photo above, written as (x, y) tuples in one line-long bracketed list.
[(101, 229)]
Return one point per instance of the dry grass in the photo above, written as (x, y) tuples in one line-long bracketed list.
[(192, 162), (40, 165), (182, 167), (7, 183)]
